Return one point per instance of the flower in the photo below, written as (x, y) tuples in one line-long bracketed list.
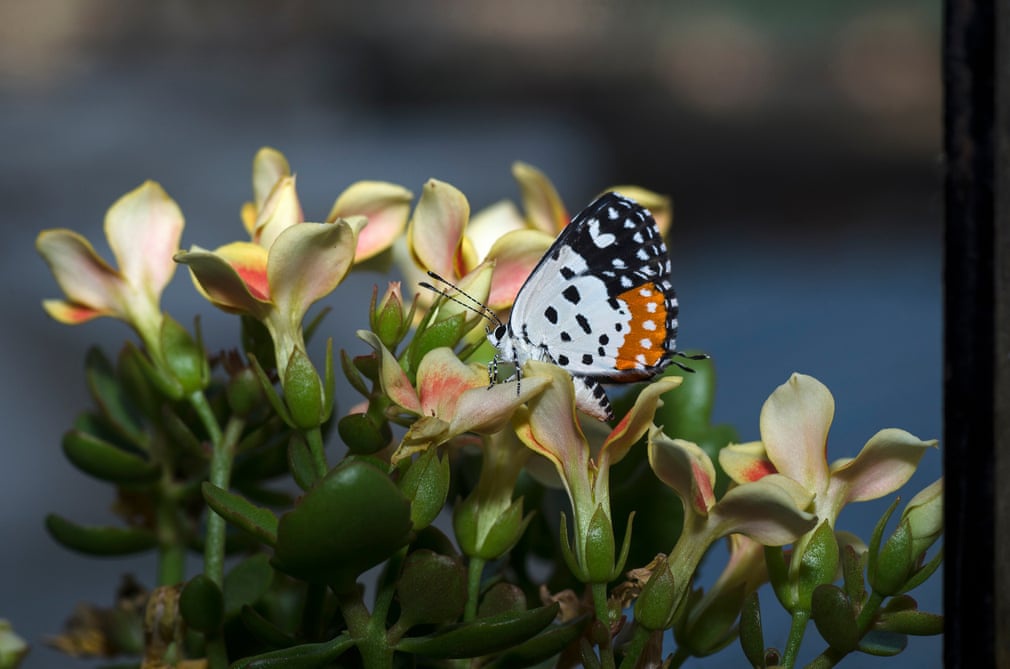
[(143, 228), (450, 398), (769, 510), (794, 431), (549, 428)]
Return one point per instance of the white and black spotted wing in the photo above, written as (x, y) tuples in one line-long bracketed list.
[(599, 304)]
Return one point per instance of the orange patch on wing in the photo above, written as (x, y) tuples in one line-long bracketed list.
[(643, 343)]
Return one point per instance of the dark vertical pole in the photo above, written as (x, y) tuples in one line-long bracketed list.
[(969, 63)]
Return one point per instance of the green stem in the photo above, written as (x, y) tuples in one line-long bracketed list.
[(314, 438), (829, 658), (368, 631), (869, 611), (171, 548), (217, 653), (475, 570), (633, 649), (796, 631), (603, 617), (221, 457)]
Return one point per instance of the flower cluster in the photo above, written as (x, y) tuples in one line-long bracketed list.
[(193, 442)]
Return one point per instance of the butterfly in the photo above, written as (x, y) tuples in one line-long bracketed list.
[(599, 304)]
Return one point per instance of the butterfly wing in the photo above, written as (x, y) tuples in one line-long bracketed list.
[(600, 301)]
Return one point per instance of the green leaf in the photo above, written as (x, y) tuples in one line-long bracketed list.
[(442, 333), (362, 435), (482, 636), (238, 511), (818, 564), (502, 598), (324, 540), (303, 391), (431, 588), (105, 541), (543, 646), (883, 644), (853, 564), (107, 462), (202, 604), (426, 485), (301, 463), (836, 621), (184, 356), (246, 583), (110, 396), (914, 622), (305, 656), (752, 639), (352, 374), (265, 630)]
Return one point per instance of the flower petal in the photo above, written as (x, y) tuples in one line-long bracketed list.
[(393, 379), (885, 464), (492, 223), (143, 228), (435, 234), (685, 468), (794, 428), (763, 511), (233, 277), (269, 167), (544, 209), (475, 286), (87, 280), (638, 420), (515, 255), (308, 261), (487, 410), (280, 211), (550, 427), (442, 379), (660, 206), (71, 313), (385, 205), (745, 462)]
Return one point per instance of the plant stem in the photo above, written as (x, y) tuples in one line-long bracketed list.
[(312, 613), (869, 610), (368, 631), (314, 438), (796, 631), (679, 657), (633, 649), (475, 570), (603, 616), (222, 454), (171, 548)]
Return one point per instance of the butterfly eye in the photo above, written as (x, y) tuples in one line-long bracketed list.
[(499, 332)]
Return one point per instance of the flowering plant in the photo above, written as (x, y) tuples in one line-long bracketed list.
[(193, 441)]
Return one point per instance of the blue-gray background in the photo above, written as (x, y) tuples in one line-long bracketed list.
[(799, 141)]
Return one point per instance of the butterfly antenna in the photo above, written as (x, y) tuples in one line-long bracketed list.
[(473, 305)]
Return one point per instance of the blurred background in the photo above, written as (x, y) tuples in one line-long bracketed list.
[(800, 143)]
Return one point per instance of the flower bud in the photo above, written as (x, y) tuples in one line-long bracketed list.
[(387, 319), (924, 514)]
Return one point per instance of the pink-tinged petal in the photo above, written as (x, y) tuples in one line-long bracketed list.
[(307, 262), (763, 511), (488, 410), (269, 167), (70, 313), (802, 497), (885, 464), (515, 255), (435, 234), (86, 279), (638, 420), (550, 427), (280, 211), (745, 462), (544, 209), (144, 227), (660, 206), (385, 205), (476, 285), (685, 468), (492, 223), (794, 428), (233, 278), (395, 383), (442, 379)]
